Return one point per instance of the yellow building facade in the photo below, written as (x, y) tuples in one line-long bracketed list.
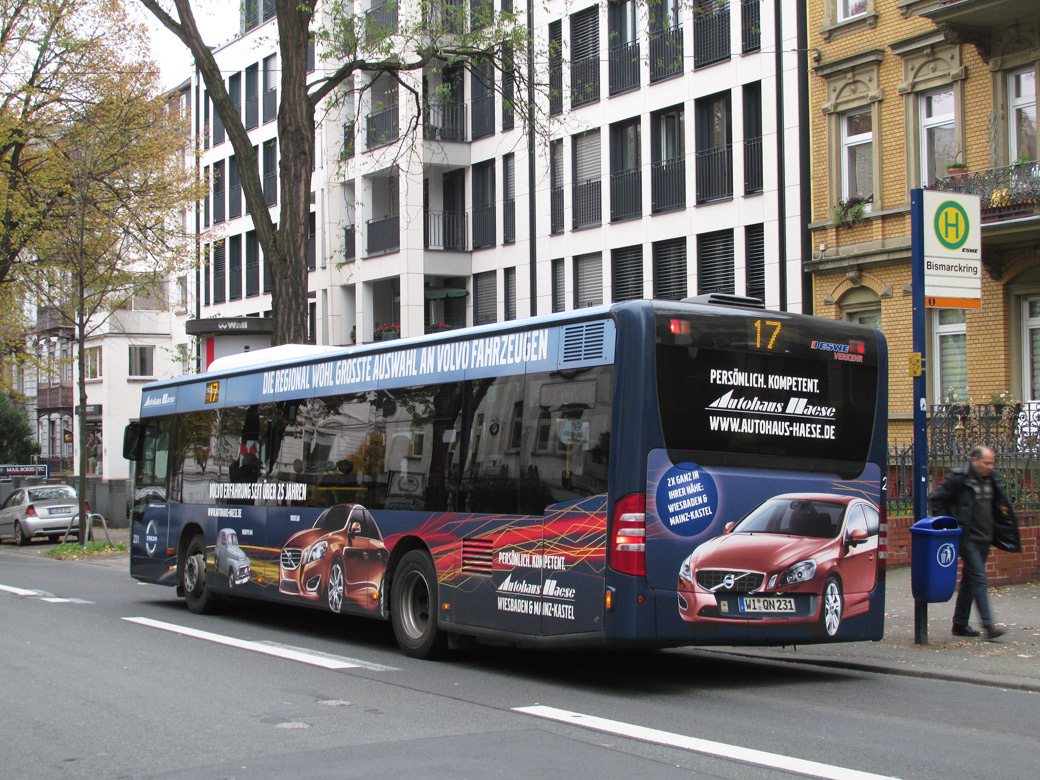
[(912, 93)]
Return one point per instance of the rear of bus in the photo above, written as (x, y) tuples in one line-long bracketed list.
[(752, 508)]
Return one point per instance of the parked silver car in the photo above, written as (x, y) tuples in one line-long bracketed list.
[(43, 510)]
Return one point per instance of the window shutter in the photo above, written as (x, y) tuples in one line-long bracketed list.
[(510, 282), (556, 163), (715, 262), (558, 285), (755, 260), (235, 269), (484, 298), (509, 164), (670, 269), (588, 286), (252, 264), (219, 271), (627, 273), (586, 157)]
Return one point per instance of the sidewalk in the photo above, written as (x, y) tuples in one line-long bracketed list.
[(1012, 661)]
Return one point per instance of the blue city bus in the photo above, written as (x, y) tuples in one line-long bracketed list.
[(657, 472)]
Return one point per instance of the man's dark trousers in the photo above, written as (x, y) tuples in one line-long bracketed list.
[(973, 584)]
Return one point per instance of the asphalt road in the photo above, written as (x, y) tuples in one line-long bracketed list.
[(99, 679)]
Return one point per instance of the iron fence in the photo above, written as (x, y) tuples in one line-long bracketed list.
[(1009, 191), (711, 36), (750, 26), (444, 120), (626, 194), (666, 54), (753, 165), (587, 206), (444, 230), (484, 226), (556, 211), (384, 235), (1011, 430), (483, 117), (584, 81), (382, 127), (715, 174), (668, 185)]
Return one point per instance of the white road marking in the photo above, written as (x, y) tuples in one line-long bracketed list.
[(708, 747), (19, 591), (323, 660), (373, 667), (59, 600)]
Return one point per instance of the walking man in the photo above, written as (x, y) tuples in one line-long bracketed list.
[(974, 495)]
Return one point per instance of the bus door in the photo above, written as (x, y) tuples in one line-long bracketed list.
[(149, 515), (565, 449)]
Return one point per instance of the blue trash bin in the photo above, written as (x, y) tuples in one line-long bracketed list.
[(934, 544)]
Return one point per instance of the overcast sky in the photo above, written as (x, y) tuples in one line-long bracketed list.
[(217, 19)]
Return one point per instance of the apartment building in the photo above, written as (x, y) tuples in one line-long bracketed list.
[(939, 94), (667, 161)]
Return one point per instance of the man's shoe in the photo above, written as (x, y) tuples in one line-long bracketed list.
[(967, 631), (992, 632)]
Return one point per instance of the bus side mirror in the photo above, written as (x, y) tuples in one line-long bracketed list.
[(133, 436)]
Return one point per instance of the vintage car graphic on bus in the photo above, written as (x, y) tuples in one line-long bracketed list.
[(340, 560), (797, 558), (231, 562)]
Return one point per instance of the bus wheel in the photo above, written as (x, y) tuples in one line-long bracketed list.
[(193, 577), (831, 609), (336, 586), (413, 607), (230, 579)]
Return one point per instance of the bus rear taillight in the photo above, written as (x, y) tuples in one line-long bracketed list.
[(628, 535)]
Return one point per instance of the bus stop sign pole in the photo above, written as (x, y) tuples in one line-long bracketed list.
[(918, 370)]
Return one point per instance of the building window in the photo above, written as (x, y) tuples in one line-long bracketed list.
[(588, 280), (218, 192), (670, 269), (234, 189), (715, 262), (207, 182), (92, 363), (312, 241), (938, 134), (850, 9), (558, 290), (667, 160), (714, 148), (666, 40), (182, 293), (556, 186), (482, 98), (585, 57), (857, 154), (587, 204), (270, 172), (219, 271), (509, 199), (623, 43), (750, 26), (950, 346), (626, 179), (252, 97), (235, 92), (861, 305), (510, 293), (234, 268), (755, 261), (1022, 108), (252, 264), (508, 87), (484, 205), (753, 167), (710, 32), (1031, 347), (484, 298), (627, 273), (141, 365), (205, 119), (556, 67), (270, 87)]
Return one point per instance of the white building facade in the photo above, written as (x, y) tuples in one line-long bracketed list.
[(666, 163)]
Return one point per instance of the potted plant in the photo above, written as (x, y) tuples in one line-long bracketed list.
[(956, 169), (851, 210)]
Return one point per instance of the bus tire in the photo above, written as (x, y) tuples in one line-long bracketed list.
[(832, 607), (197, 596), (337, 587), (413, 607)]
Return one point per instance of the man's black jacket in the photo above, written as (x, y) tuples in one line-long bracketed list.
[(954, 497)]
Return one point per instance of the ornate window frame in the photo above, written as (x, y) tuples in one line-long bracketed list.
[(852, 84), (835, 27)]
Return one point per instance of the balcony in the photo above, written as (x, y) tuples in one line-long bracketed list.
[(381, 21), (626, 195), (382, 127), (668, 185), (750, 26), (1012, 191), (752, 165), (715, 174), (624, 68), (444, 121), (445, 16), (444, 231), (666, 54), (587, 204), (556, 211), (969, 18), (384, 235), (483, 226), (54, 398), (711, 36), (51, 319), (483, 117), (584, 81)]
